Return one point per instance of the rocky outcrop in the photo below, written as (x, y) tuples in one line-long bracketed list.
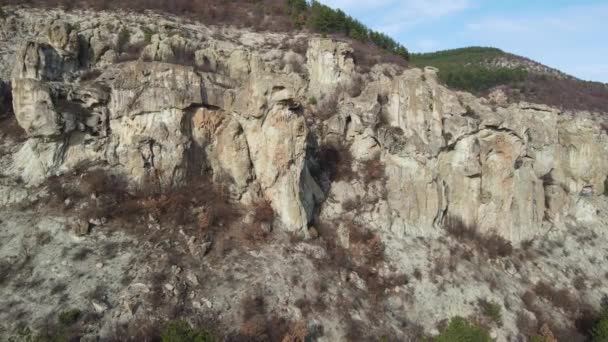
[(168, 102)]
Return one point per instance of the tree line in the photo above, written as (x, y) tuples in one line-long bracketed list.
[(324, 19), (273, 15)]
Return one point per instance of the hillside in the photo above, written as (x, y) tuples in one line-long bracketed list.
[(475, 69), (164, 177), (480, 69), (259, 15)]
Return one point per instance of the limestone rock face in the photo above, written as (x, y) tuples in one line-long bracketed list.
[(223, 140), (41, 61), (330, 63), (278, 151), (34, 108), (140, 88), (179, 100)]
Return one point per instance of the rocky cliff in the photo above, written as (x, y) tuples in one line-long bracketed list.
[(290, 119), (156, 102)]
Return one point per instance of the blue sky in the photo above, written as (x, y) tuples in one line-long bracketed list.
[(568, 35)]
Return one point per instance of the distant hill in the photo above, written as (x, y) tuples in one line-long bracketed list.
[(482, 69)]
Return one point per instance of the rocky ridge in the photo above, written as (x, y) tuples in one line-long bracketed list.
[(454, 155), (156, 101)]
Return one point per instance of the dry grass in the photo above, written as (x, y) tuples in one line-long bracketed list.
[(560, 298), (199, 208), (260, 324), (367, 55), (568, 94), (493, 246), (270, 15)]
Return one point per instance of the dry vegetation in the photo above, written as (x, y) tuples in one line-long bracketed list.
[(265, 15), (258, 324), (567, 94), (199, 209), (493, 246), (337, 161)]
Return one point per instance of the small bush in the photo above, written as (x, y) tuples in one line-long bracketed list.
[(460, 330), (493, 246), (337, 161), (122, 42), (559, 298), (599, 333), (492, 310), (180, 331), (373, 170), (328, 106), (313, 101), (297, 67), (261, 325), (69, 317), (148, 33), (264, 212)]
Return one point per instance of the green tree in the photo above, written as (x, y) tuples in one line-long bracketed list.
[(180, 331), (460, 330), (599, 333)]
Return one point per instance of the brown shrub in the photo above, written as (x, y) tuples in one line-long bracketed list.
[(493, 246), (297, 67), (374, 170), (367, 55), (263, 15), (328, 106), (561, 298), (337, 161), (264, 212), (567, 94), (261, 325), (198, 207)]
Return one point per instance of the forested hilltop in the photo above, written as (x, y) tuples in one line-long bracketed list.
[(481, 69)]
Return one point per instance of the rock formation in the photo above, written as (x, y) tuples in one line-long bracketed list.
[(358, 201), (186, 101)]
